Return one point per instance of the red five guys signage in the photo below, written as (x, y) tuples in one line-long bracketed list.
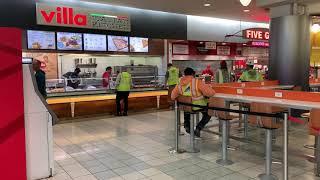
[(256, 34), (63, 15)]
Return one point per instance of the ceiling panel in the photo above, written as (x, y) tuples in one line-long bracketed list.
[(229, 9)]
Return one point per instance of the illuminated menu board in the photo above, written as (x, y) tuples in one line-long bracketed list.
[(139, 44), (95, 42), (41, 40), (69, 41), (118, 43)]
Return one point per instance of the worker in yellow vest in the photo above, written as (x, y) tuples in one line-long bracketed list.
[(172, 78), (251, 75), (223, 75), (199, 91), (123, 87)]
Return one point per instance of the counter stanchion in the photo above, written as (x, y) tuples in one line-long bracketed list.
[(246, 124), (176, 149), (193, 148), (197, 118), (268, 175), (224, 161), (285, 146)]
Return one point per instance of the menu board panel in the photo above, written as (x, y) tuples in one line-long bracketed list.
[(41, 40), (139, 44), (69, 41), (223, 50), (95, 42), (118, 43), (180, 49)]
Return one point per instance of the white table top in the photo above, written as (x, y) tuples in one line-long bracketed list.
[(284, 87), (314, 85), (303, 105)]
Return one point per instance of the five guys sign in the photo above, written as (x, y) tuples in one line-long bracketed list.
[(63, 15), (256, 34)]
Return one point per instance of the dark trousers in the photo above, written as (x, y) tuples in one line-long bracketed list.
[(122, 95), (205, 119)]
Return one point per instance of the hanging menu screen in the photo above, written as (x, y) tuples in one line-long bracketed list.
[(95, 42), (41, 40), (139, 44), (118, 43), (69, 41)]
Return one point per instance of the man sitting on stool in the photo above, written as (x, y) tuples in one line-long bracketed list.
[(189, 86)]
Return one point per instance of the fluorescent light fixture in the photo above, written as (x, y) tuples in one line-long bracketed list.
[(246, 10), (244, 44), (245, 2), (315, 28), (103, 15), (207, 4)]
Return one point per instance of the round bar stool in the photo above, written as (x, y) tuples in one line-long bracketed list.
[(225, 118), (307, 116), (314, 130), (269, 124), (194, 117)]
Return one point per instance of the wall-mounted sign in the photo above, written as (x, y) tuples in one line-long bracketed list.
[(256, 34), (62, 15), (180, 49), (260, 44), (210, 45), (223, 50)]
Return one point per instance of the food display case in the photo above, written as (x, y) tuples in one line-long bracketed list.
[(91, 86)]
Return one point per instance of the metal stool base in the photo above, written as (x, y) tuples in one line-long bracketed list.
[(267, 177), (224, 162), (313, 147), (174, 151), (195, 150)]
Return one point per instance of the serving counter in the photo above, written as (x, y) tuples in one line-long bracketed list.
[(86, 105)]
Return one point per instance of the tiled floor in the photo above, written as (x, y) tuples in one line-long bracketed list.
[(136, 147)]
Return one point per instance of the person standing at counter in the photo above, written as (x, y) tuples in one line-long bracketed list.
[(73, 78), (106, 77), (40, 77), (250, 75), (123, 86), (172, 78), (208, 71), (189, 86), (223, 75)]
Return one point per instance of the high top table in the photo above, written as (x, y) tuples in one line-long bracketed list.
[(290, 104)]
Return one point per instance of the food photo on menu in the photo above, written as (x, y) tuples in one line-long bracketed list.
[(69, 41), (118, 43), (95, 42), (139, 44), (41, 40)]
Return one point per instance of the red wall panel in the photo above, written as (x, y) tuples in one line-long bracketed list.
[(12, 130)]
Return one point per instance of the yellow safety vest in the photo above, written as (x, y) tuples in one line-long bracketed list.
[(246, 76), (191, 90), (173, 78), (125, 82)]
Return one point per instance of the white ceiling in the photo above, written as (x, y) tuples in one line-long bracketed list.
[(228, 9)]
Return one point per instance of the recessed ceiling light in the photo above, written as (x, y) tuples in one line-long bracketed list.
[(206, 4), (246, 10), (245, 2), (315, 28)]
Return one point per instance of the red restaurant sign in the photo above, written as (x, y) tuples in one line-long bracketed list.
[(256, 34), (260, 44), (67, 16)]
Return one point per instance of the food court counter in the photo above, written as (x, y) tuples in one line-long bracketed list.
[(94, 104)]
